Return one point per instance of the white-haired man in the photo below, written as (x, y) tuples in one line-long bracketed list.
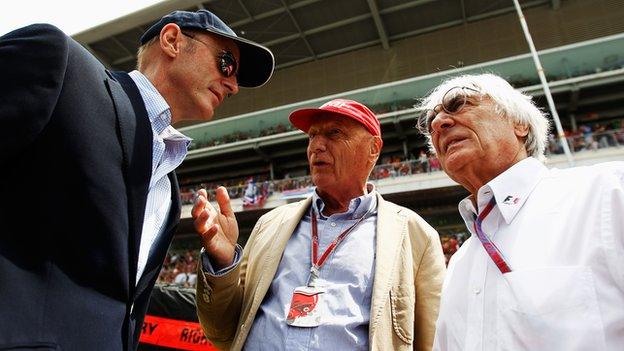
[(544, 268)]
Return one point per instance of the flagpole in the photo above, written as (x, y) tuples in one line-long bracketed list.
[(542, 76)]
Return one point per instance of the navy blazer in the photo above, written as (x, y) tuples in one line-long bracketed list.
[(75, 165)]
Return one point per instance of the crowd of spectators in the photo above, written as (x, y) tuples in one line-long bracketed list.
[(590, 137), (180, 268), (239, 136), (393, 166), (450, 244), (236, 187), (585, 137), (292, 183), (279, 128)]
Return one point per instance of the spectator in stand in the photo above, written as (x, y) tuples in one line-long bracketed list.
[(544, 268), (78, 258), (434, 163), (423, 160), (179, 269)]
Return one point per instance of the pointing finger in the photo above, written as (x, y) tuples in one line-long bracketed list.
[(198, 206)]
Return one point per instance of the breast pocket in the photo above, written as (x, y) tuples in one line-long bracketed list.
[(553, 308)]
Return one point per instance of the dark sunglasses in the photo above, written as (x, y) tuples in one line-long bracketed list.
[(453, 101), (226, 62)]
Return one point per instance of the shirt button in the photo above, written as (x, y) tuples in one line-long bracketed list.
[(477, 291), (242, 326), (333, 224)]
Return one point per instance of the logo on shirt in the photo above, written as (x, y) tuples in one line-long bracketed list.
[(511, 200)]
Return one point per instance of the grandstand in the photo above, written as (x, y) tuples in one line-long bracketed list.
[(386, 54)]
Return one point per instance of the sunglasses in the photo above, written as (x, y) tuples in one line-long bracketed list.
[(453, 101), (226, 62)]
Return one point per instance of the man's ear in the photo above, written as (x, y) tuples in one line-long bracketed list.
[(375, 147), (170, 39), (521, 131)]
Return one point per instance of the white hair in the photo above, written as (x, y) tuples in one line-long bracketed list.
[(509, 102)]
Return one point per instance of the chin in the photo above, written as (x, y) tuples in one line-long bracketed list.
[(207, 109), (455, 163), (322, 181)]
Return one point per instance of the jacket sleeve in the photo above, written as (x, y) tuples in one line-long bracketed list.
[(33, 61), (428, 285), (220, 298)]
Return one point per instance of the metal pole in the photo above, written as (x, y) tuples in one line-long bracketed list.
[(542, 76)]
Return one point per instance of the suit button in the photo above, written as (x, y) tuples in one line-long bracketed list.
[(243, 326)]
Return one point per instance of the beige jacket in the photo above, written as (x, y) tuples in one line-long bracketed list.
[(409, 270)]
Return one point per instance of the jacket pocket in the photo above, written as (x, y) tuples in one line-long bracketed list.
[(402, 309)]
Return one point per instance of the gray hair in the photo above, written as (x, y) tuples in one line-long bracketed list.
[(141, 52), (509, 102)]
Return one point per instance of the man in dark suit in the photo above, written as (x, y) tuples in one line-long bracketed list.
[(88, 196)]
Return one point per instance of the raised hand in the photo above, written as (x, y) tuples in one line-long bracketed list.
[(218, 229)]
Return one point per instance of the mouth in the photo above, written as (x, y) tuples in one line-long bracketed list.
[(452, 142), (218, 95), (320, 164)]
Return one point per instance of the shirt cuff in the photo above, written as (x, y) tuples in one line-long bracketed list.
[(208, 267)]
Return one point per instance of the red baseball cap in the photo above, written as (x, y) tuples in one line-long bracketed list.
[(302, 118)]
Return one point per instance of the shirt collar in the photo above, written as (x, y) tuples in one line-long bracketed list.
[(510, 189), (358, 207), (158, 110)]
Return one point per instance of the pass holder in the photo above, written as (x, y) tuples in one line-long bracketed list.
[(305, 308)]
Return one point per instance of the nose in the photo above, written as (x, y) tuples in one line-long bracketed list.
[(316, 144), (441, 121), (231, 85)]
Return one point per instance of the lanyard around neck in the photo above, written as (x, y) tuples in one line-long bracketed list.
[(491, 249), (317, 262)]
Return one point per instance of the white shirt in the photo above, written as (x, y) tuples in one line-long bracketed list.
[(562, 234), (169, 149)]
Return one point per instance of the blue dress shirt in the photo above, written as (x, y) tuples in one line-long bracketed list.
[(169, 149), (347, 276)]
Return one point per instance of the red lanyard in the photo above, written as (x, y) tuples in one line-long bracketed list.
[(317, 262), (488, 245)]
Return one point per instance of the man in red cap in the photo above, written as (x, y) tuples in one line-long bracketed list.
[(343, 269)]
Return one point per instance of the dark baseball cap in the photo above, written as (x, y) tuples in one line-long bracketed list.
[(256, 61)]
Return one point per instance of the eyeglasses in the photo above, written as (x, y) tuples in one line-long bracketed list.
[(453, 101), (226, 62)]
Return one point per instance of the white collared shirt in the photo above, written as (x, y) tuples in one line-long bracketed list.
[(169, 147), (562, 234)]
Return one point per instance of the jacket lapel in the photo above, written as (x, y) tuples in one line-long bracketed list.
[(126, 126), (390, 232), (136, 137), (160, 247)]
